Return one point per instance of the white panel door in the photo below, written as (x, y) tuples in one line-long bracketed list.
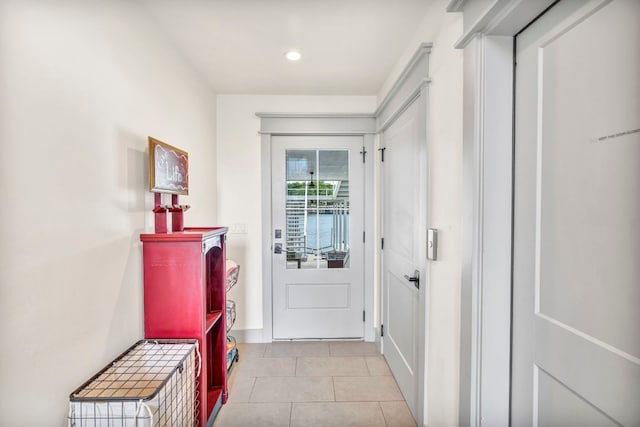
[(318, 249), (576, 330), (404, 211)]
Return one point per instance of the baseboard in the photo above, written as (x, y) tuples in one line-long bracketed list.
[(248, 335), (257, 336)]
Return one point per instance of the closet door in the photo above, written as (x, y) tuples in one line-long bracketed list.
[(576, 344), (404, 278)]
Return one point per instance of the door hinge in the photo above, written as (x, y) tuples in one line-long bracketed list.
[(363, 315), (381, 150), (382, 243), (363, 237), (381, 330), (364, 153)]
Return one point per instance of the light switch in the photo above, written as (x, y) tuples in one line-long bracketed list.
[(238, 228)]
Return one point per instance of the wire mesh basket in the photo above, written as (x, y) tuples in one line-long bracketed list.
[(232, 272), (231, 314), (232, 352), (153, 383)]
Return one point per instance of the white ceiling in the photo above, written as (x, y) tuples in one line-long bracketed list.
[(348, 47)]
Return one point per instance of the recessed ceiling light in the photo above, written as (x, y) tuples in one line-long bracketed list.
[(292, 55)]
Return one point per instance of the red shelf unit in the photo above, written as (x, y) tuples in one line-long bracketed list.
[(184, 297)]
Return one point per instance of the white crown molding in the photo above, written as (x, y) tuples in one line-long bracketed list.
[(480, 25), (423, 49), (404, 105), (503, 18)]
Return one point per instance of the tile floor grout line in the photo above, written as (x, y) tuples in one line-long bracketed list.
[(253, 386), (333, 386), (383, 417), (334, 379)]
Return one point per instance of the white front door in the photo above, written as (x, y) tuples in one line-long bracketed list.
[(404, 219), (576, 289), (317, 233)]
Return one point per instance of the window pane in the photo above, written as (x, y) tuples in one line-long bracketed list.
[(317, 211)]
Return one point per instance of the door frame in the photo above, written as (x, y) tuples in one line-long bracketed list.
[(294, 124)]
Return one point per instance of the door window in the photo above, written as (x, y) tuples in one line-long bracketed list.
[(317, 209)]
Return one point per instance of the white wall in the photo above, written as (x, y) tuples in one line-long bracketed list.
[(239, 182), (444, 134), (444, 126), (82, 85)]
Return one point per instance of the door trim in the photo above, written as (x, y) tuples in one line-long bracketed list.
[(296, 124)]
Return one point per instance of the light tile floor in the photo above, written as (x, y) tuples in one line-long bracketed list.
[(316, 383)]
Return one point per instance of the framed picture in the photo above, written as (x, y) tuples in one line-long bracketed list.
[(168, 168)]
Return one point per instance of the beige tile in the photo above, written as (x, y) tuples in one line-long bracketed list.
[(232, 377), (297, 349), (366, 389), (293, 389), (251, 350), (377, 365), (240, 388), (331, 367), (397, 414), (254, 414), (266, 367), (353, 414), (353, 348)]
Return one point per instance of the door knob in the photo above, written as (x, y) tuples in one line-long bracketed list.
[(415, 279)]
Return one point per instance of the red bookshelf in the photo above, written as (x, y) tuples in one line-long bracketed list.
[(184, 297)]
